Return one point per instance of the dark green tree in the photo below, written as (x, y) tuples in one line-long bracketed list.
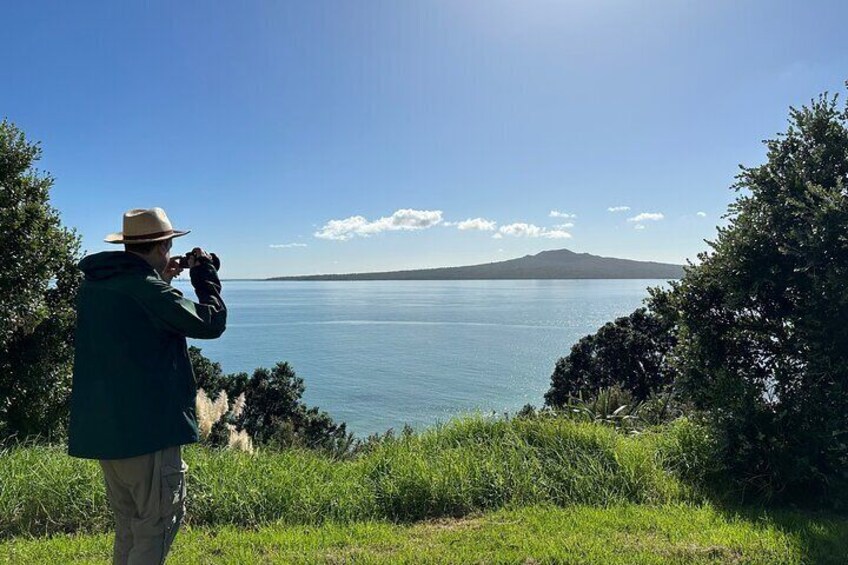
[(763, 318), (631, 353), (275, 414), (38, 285)]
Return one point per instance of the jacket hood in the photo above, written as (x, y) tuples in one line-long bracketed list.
[(108, 264)]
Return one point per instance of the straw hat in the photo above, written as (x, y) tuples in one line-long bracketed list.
[(145, 226)]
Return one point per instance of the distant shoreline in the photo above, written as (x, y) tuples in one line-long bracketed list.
[(555, 264)]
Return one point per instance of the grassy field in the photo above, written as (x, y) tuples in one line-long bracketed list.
[(623, 534), (538, 490), (468, 466)]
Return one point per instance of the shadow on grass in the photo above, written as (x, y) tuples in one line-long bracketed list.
[(821, 537)]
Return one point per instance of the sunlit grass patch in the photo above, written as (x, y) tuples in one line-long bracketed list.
[(469, 465), (618, 534)]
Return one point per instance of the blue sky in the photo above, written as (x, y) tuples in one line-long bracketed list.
[(315, 137)]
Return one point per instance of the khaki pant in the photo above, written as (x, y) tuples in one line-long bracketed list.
[(147, 494)]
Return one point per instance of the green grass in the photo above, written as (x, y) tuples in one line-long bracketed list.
[(620, 534), (468, 466), (538, 490)]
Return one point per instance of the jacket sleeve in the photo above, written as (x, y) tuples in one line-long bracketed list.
[(206, 319)]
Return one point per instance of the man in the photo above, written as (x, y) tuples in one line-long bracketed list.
[(133, 392)]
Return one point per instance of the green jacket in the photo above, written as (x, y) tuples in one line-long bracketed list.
[(133, 387)]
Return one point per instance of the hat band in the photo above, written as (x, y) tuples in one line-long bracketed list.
[(148, 235)]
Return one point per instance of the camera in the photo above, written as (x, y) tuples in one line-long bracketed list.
[(184, 261)]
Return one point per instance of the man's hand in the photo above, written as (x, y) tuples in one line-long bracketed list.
[(172, 270), (196, 253)]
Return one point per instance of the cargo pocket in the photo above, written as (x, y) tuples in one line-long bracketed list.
[(173, 489), (173, 500)]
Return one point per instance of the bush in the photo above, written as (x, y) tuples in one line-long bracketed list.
[(630, 353), (38, 283), (616, 407), (763, 319), (274, 413), (217, 421)]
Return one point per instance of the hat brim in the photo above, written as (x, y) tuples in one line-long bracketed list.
[(119, 237)]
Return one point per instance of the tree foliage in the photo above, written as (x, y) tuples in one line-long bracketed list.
[(630, 353), (38, 285), (755, 334), (275, 414), (763, 318)]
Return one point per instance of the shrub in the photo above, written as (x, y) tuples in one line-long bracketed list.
[(616, 407), (38, 283), (274, 414), (630, 353), (763, 319), (216, 421)]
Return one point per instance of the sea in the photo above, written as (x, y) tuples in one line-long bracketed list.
[(381, 354)]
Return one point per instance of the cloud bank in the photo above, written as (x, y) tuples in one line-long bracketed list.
[(618, 208), (409, 219), (286, 245), (402, 220)]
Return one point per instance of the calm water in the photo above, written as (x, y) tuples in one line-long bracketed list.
[(378, 354)]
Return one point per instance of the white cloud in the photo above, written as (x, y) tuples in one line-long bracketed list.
[(564, 226), (639, 227), (618, 208), (476, 224), (404, 219), (644, 216), (286, 245), (701, 214), (558, 214), (521, 229), (497, 236), (556, 234), (343, 229)]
